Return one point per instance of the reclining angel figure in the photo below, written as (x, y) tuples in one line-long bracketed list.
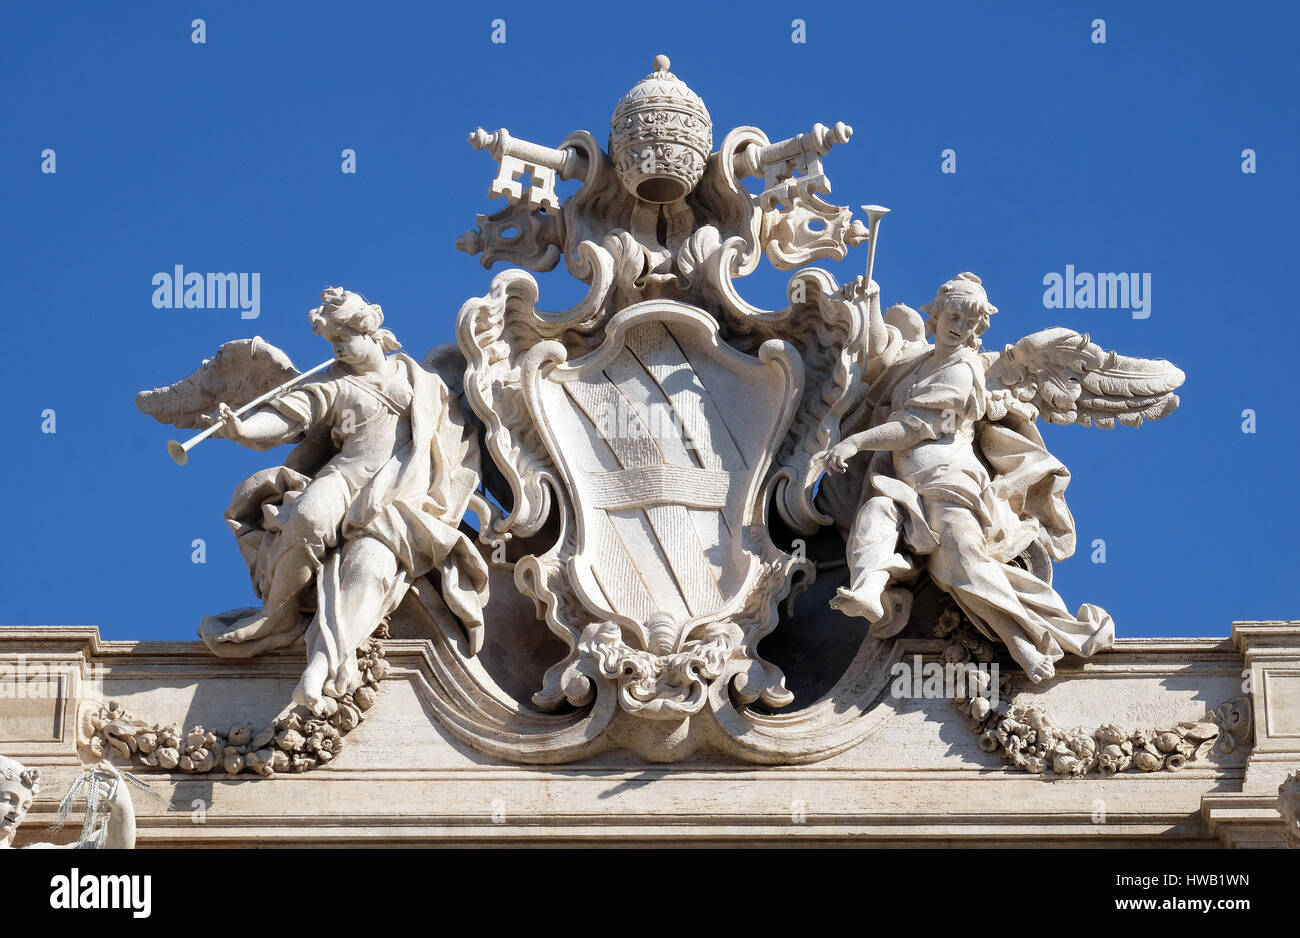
[(369, 501), (960, 484)]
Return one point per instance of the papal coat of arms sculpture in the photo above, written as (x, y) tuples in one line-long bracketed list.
[(660, 473)]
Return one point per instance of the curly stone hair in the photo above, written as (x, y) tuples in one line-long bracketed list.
[(963, 292), (346, 308), (14, 771)]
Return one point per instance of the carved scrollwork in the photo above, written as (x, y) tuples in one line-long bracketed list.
[(539, 380), (661, 683), (829, 331), (517, 234), (811, 229)]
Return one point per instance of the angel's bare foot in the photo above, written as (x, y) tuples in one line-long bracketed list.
[(244, 629), (230, 627), (857, 603), (304, 699), (311, 685), (318, 704), (1037, 666), (1043, 671)]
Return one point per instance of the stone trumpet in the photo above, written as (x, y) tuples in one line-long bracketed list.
[(180, 452), (874, 214)]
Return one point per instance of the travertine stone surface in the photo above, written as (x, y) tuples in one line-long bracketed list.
[(919, 778)]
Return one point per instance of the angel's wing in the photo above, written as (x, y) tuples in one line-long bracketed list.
[(907, 321), (1070, 379), (239, 372)]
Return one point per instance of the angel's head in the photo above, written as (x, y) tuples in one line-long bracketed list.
[(959, 313), (18, 786), (353, 327)]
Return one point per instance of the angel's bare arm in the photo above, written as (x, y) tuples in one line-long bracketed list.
[(891, 436), (860, 290), (265, 428), (121, 818), (877, 337)]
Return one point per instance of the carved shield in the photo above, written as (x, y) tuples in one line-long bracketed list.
[(663, 435)]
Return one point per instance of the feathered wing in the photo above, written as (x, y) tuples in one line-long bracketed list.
[(240, 371), (1070, 379)]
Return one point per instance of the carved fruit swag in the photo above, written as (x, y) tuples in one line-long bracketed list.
[(1026, 738), (296, 742)]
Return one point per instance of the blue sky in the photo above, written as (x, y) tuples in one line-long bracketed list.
[(225, 156)]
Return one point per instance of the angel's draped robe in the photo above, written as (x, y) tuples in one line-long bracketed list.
[(968, 500), (383, 458)]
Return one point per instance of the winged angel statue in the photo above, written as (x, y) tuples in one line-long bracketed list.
[(960, 484), (369, 500)]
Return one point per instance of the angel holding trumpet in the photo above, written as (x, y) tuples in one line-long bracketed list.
[(369, 501), (959, 483)]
